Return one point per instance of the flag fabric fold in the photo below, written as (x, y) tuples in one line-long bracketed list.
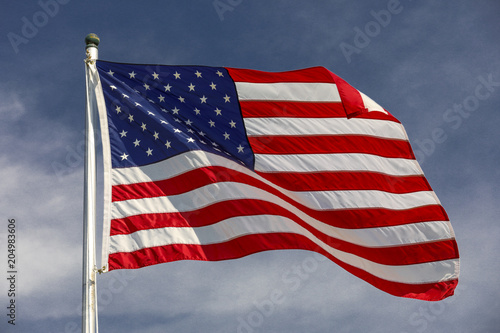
[(213, 163)]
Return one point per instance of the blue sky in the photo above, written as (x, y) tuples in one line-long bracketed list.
[(434, 65)]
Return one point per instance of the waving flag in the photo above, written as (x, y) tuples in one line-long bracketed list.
[(206, 163)]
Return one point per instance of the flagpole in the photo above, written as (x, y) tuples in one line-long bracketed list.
[(89, 301)]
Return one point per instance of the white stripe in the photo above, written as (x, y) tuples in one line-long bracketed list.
[(230, 228), (324, 126), (320, 200), (172, 167), (240, 226), (288, 91), (336, 162), (370, 104), (198, 159)]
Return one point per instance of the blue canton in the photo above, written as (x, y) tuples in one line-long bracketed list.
[(156, 112)]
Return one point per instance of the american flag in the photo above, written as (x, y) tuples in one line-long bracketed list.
[(208, 163)]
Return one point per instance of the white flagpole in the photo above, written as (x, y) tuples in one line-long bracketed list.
[(89, 300)]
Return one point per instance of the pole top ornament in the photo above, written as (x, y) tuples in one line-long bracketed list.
[(92, 40)]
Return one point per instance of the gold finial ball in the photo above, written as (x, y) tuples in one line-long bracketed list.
[(92, 40)]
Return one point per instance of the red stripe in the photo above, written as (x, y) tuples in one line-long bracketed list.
[(250, 244), (338, 181), (314, 75), (330, 144), (262, 109), (347, 219), (351, 98), (273, 109), (321, 181)]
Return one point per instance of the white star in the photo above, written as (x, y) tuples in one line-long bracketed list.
[(240, 148), (125, 96), (161, 98), (190, 131), (212, 124), (188, 122), (111, 72), (167, 87), (181, 99), (177, 130), (112, 87), (226, 98), (131, 118), (177, 120), (150, 100), (213, 86), (197, 111), (201, 133), (151, 113), (226, 136), (164, 122), (136, 142), (232, 123), (191, 87), (155, 76), (219, 73), (218, 112), (123, 133), (149, 152), (203, 99), (164, 110), (177, 75), (132, 75), (215, 145), (198, 74), (168, 144), (137, 104), (156, 135), (190, 140), (124, 156), (146, 86), (143, 126), (175, 110), (118, 109)]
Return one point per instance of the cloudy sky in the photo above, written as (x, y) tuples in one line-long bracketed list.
[(434, 65)]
